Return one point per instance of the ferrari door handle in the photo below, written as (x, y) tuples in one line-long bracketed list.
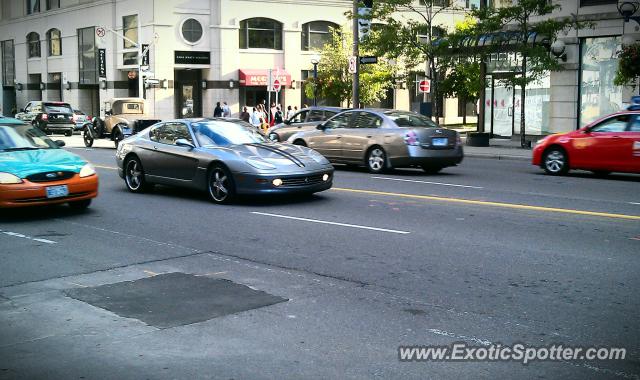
[(338, 137), (369, 136)]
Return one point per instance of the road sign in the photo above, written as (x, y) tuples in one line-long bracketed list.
[(276, 85), (100, 32), (353, 67), (368, 60), (102, 63), (425, 86)]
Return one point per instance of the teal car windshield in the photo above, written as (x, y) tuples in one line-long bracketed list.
[(23, 137), (220, 133), (409, 119)]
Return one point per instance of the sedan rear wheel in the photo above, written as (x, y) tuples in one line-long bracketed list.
[(221, 187), (134, 176), (556, 162), (376, 160)]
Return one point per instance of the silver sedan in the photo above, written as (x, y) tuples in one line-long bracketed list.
[(384, 139), (221, 157)]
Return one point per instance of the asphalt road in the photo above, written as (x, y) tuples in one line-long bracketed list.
[(489, 252)]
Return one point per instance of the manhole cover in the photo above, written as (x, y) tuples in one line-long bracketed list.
[(174, 299)]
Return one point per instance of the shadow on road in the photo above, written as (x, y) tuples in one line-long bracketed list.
[(39, 213)]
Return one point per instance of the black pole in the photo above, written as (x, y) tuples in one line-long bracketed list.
[(315, 84), (355, 96)]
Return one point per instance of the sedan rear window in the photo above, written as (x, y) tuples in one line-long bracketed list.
[(408, 119)]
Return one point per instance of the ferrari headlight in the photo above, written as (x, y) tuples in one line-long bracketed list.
[(87, 171), (317, 157), (8, 178), (259, 164)]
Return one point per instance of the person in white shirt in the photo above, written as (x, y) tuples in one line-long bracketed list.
[(226, 111), (290, 112), (255, 117)]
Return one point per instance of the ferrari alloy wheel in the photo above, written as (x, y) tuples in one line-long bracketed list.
[(134, 176), (556, 162), (221, 188), (376, 160)]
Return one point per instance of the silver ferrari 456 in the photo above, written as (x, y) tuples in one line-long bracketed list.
[(221, 157)]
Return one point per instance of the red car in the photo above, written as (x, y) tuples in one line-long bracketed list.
[(610, 144)]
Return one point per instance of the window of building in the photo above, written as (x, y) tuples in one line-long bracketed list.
[(87, 56), (466, 108), (8, 63), (316, 34), (598, 65), (33, 45), (33, 6), (260, 33), (436, 3), (472, 4), (54, 41), (192, 30), (130, 30), (53, 4)]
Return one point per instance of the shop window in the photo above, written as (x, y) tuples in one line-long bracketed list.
[(316, 34), (192, 30), (53, 4), (33, 45), (466, 108), (130, 30), (598, 64), (260, 33), (54, 41), (33, 6)]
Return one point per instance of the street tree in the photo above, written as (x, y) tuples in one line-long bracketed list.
[(413, 40), (525, 28), (334, 80)]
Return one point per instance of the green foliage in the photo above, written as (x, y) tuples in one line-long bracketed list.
[(628, 66), (334, 80)]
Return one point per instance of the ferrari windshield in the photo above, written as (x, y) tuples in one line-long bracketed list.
[(23, 137), (222, 133), (409, 119)]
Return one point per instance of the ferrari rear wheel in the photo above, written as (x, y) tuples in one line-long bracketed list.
[(221, 187), (134, 176), (556, 162)]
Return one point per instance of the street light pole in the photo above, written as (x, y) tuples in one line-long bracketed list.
[(139, 45), (355, 99), (315, 62)]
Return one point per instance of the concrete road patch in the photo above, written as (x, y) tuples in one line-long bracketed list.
[(174, 299)]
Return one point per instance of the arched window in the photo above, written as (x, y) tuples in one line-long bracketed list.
[(316, 34), (33, 44), (54, 40), (260, 33)]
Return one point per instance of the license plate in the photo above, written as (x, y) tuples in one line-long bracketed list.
[(440, 141), (57, 191)]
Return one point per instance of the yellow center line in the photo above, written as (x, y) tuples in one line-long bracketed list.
[(493, 204)]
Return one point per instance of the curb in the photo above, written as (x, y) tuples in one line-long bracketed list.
[(497, 156)]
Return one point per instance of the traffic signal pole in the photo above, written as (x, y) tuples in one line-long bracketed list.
[(355, 93)]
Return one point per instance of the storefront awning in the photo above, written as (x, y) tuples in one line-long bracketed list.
[(252, 77)]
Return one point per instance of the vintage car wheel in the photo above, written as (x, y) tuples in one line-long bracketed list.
[(220, 185), (117, 136), (134, 176), (555, 161), (69, 133), (87, 136), (376, 160)]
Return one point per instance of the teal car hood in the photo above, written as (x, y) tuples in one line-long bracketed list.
[(25, 163)]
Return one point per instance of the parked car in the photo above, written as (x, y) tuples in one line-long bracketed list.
[(384, 139), (221, 157), (49, 117), (304, 120), (123, 117), (610, 144), (35, 171), (81, 119)]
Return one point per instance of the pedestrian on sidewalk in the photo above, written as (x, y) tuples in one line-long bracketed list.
[(278, 116), (244, 115), (217, 112), (290, 112), (226, 111)]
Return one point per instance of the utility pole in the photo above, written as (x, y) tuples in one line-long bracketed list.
[(483, 90), (355, 93), (139, 45)]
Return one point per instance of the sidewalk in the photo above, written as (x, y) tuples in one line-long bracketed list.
[(499, 149)]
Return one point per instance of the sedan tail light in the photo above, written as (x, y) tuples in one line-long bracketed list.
[(458, 139), (411, 138), (45, 116)]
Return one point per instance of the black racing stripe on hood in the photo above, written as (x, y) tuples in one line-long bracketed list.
[(284, 154)]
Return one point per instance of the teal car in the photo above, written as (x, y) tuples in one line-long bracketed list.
[(35, 171)]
